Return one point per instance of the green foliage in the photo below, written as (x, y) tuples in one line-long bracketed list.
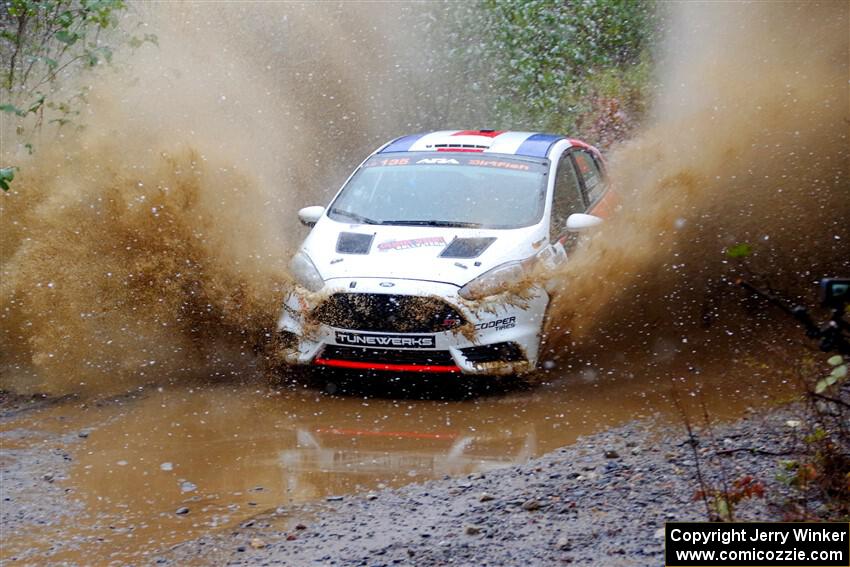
[(45, 41), (45, 37), (136, 42), (824, 465), (723, 502), (560, 66), (836, 377), (12, 109), (7, 174), (816, 436), (739, 251)]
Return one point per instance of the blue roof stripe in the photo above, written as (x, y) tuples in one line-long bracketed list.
[(537, 145), (402, 144)]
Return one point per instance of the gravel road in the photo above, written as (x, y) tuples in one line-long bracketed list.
[(602, 501)]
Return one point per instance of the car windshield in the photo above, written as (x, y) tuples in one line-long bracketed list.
[(431, 189)]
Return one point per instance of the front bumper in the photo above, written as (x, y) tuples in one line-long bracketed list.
[(500, 336)]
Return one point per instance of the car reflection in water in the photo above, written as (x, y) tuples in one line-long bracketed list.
[(332, 451)]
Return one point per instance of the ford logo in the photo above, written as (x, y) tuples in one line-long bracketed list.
[(386, 284)]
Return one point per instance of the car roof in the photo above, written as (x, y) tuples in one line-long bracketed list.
[(529, 144)]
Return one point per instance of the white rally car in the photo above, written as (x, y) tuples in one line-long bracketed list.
[(418, 264)]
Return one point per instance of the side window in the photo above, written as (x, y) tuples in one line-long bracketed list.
[(592, 177), (567, 198)]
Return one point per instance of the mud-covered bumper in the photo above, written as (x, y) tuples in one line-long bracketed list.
[(498, 336)]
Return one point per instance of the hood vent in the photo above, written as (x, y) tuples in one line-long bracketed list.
[(462, 146), (354, 243), (467, 247)]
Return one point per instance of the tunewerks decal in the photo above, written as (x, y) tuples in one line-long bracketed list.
[(398, 341)]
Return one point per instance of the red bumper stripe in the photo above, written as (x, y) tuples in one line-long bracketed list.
[(381, 366)]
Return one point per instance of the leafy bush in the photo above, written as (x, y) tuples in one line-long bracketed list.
[(821, 470), (42, 41), (576, 66)]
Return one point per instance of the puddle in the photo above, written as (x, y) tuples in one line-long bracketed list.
[(228, 452)]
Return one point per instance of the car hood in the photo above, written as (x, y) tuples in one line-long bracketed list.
[(439, 254)]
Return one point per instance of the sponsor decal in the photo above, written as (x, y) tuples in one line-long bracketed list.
[(497, 324), (397, 341), (460, 157), (439, 161), (500, 164), (386, 284), (412, 243)]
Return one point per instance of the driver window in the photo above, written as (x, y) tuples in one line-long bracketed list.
[(593, 182), (567, 199)]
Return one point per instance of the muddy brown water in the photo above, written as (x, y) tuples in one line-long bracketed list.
[(230, 451)]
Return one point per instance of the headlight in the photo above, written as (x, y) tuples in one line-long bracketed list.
[(497, 280), (305, 272)]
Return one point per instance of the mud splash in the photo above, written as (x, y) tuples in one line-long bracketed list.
[(153, 243), (749, 143), (131, 270)]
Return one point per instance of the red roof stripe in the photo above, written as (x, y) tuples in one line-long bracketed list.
[(580, 144), (485, 133)]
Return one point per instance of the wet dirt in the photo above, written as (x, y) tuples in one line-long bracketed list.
[(223, 453)]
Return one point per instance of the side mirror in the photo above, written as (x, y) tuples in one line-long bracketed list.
[(310, 215), (579, 222)]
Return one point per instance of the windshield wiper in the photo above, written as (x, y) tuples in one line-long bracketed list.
[(458, 224), (354, 216)]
